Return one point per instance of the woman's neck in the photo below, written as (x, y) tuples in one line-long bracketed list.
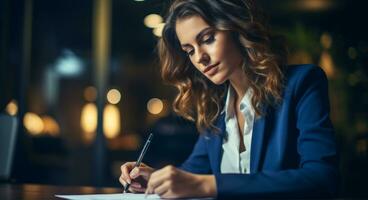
[(239, 82)]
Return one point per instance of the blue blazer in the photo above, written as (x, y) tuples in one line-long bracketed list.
[(293, 151)]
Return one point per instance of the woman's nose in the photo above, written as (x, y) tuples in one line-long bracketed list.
[(203, 58)]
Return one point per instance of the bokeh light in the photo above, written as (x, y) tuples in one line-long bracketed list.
[(12, 108), (155, 106), (326, 40), (89, 120), (90, 93), (152, 20), (111, 124), (33, 123), (158, 30), (51, 127), (113, 96)]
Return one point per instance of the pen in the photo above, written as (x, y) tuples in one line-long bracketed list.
[(140, 158)]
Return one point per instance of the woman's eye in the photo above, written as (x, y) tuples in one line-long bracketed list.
[(189, 53), (209, 39)]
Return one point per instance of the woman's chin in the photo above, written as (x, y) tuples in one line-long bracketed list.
[(217, 80)]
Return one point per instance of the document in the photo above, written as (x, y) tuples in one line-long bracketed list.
[(118, 196)]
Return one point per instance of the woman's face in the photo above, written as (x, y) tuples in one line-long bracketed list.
[(212, 52)]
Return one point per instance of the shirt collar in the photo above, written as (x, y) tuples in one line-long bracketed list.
[(229, 108)]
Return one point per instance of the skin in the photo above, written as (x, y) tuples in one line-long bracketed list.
[(207, 48)]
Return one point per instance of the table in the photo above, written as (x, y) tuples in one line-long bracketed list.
[(47, 192)]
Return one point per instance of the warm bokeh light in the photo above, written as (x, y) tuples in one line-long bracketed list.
[(33, 123), (326, 61), (113, 96), (314, 5), (90, 93), (152, 20), (51, 127), (327, 64), (155, 106), (111, 125), (158, 30), (89, 121), (326, 40), (12, 108)]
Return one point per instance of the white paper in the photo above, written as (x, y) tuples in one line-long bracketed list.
[(119, 196)]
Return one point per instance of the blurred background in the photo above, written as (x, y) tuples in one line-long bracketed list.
[(82, 79)]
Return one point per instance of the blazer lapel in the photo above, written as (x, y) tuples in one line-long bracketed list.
[(257, 142), (215, 144)]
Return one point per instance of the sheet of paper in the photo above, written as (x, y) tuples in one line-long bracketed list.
[(119, 196)]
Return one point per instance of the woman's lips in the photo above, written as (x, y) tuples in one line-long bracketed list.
[(210, 70)]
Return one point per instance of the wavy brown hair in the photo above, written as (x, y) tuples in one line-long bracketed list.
[(264, 54)]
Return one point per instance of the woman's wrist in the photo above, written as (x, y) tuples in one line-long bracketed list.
[(207, 185)]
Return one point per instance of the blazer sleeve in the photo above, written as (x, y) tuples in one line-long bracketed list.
[(317, 174), (198, 162)]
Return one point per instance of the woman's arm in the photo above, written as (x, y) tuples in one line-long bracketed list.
[(198, 162)]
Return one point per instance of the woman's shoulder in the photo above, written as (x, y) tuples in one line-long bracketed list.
[(302, 73), (301, 70), (303, 77)]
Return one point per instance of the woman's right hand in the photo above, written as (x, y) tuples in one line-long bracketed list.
[(136, 177)]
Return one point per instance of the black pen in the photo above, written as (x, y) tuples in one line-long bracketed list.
[(138, 163)]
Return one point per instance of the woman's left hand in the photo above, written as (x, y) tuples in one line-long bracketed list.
[(171, 182)]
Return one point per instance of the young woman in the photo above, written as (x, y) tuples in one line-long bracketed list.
[(265, 126)]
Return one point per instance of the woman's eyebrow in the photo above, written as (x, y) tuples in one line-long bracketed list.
[(198, 36)]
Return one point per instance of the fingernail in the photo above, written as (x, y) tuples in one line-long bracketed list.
[(137, 185), (134, 173)]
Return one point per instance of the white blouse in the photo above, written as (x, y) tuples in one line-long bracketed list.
[(232, 160)]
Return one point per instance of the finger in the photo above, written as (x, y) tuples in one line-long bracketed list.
[(149, 189), (159, 176), (145, 172), (134, 187), (128, 165), (162, 189), (165, 172), (125, 169), (134, 173), (169, 195), (121, 180), (136, 190), (154, 182)]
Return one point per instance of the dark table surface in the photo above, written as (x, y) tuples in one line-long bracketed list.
[(43, 192)]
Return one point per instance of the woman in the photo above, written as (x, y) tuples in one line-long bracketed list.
[(265, 127)]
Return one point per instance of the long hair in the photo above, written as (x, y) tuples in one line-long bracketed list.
[(264, 58)]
